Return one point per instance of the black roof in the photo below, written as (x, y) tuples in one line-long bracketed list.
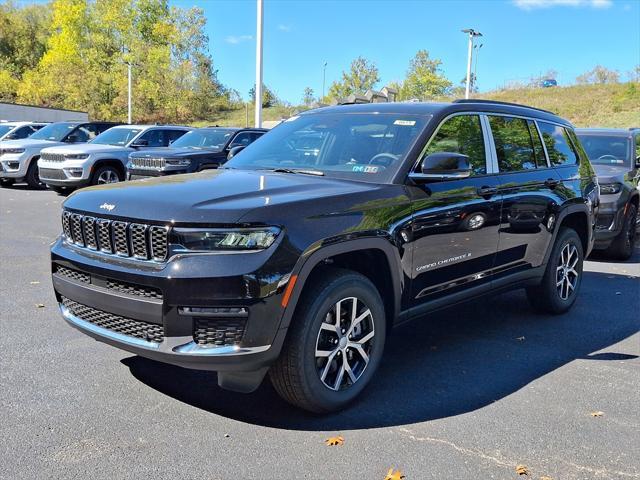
[(433, 108), (612, 132), (234, 129)]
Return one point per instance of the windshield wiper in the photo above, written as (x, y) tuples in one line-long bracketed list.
[(297, 170)]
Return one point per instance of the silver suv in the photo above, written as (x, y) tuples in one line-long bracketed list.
[(104, 159), (18, 130)]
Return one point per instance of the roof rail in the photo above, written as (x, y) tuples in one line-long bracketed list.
[(496, 102)]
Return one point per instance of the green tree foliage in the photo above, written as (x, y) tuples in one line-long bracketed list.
[(599, 74), (362, 76), (424, 78), (83, 62), (269, 98), (307, 96)]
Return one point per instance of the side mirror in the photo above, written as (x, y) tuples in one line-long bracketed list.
[(444, 166), (140, 143), (11, 136), (233, 151), (74, 138)]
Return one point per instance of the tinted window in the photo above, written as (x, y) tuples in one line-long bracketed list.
[(514, 145), (204, 138), (462, 134), (54, 131), (558, 145), (154, 138), (541, 159), (241, 139), (4, 129), (637, 147), (117, 136), (175, 134), (22, 132)]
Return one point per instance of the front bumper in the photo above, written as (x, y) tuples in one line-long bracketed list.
[(189, 287), (14, 166), (610, 220), (71, 173)]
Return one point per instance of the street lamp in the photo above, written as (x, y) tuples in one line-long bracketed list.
[(475, 66), (324, 76), (260, 17), (472, 34)]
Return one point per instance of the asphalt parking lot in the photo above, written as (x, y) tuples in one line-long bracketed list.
[(468, 393)]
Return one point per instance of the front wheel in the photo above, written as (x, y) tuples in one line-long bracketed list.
[(623, 245), (33, 176), (334, 344), (106, 174), (558, 290)]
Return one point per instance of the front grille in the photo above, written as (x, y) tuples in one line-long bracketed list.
[(52, 173), (73, 274), (150, 332), (148, 163), (145, 242), (218, 332), (52, 157), (135, 290)]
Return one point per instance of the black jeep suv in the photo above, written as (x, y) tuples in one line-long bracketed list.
[(615, 156), (198, 150), (298, 260)]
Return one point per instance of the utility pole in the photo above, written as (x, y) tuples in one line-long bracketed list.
[(258, 89), (472, 34), (324, 76), (129, 92)]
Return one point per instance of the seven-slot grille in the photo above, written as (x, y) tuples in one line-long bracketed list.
[(145, 242), (52, 157), (150, 163)]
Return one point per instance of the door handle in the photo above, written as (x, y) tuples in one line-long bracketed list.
[(551, 183), (487, 191)]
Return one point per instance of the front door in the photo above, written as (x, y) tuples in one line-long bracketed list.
[(455, 222)]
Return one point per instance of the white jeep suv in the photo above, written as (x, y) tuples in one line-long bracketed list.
[(103, 160)]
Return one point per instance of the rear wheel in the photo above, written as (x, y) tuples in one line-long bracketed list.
[(33, 177), (334, 345), (622, 246), (106, 174), (558, 290)]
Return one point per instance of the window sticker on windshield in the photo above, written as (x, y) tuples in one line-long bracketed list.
[(405, 123), (365, 169)]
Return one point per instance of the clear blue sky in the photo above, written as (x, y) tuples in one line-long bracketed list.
[(521, 38)]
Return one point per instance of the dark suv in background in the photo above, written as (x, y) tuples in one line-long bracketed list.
[(615, 156), (200, 149), (296, 261)]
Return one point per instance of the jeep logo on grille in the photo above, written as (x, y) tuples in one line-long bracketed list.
[(107, 206)]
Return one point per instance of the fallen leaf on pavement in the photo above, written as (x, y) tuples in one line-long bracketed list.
[(597, 414), (522, 470), (333, 441), (39, 305), (391, 475)]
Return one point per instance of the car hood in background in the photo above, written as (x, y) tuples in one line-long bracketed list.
[(26, 143), (610, 172), (213, 197), (87, 148)]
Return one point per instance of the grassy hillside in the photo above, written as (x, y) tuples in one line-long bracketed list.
[(584, 105), (238, 118)]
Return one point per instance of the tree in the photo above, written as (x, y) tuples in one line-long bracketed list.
[(634, 75), (269, 98), (307, 96), (424, 78), (362, 76), (599, 75)]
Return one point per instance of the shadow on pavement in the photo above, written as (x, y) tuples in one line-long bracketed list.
[(449, 363)]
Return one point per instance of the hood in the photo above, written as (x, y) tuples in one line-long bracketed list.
[(213, 196), (87, 148), (610, 172), (26, 143), (175, 152)]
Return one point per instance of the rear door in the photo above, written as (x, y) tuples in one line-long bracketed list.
[(454, 235), (527, 186)]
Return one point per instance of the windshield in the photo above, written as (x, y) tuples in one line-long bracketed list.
[(367, 147), (603, 150), (4, 129), (54, 132), (117, 136), (208, 138)]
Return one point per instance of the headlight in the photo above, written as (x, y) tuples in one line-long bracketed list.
[(76, 156), (610, 188), (12, 150), (178, 162), (207, 239)]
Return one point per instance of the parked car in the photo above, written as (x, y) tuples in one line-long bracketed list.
[(18, 130), (615, 155), (297, 264), (103, 160), (19, 158), (549, 82), (198, 150)]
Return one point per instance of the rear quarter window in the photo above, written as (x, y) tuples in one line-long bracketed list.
[(559, 146)]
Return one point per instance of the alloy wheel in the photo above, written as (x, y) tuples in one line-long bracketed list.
[(343, 345), (566, 273), (108, 176)]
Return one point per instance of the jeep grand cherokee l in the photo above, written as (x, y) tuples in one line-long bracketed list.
[(19, 158), (198, 150), (615, 156), (103, 160), (296, 262)]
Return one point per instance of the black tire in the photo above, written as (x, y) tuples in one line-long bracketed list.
[(105, 170), (6, 182), (623, 245), (33, 177), (549, 296), (296, 375)]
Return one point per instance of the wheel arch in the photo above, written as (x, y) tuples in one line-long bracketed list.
[(112, 162), (576, 217)]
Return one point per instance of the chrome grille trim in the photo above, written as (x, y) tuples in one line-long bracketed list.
[(148, 163), (52, 157), (125, 239)]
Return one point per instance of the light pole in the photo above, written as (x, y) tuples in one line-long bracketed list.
[(258, 100), (475, 66), (472, 34), (324, 76), (129, 93)]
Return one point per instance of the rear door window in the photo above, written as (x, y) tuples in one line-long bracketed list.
[(559, 147), (154, 138), (513, 142)]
